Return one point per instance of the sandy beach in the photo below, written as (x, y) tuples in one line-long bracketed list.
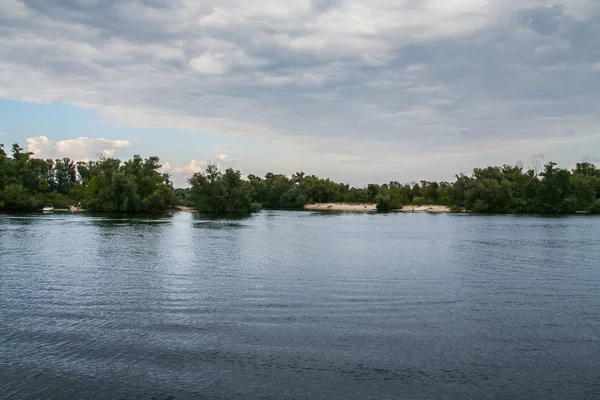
[(340, 207), (431, 208), (363, 207)]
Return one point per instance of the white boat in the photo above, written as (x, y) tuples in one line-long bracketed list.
[(420, 209), (48, 209)]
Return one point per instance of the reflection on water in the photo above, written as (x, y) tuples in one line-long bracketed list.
[(299, 305), (218, 225), (207, 221), (110, 220)]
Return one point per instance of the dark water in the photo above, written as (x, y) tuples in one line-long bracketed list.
[(299, 305)]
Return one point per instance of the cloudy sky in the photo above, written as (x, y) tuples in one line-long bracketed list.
[(360, 91)]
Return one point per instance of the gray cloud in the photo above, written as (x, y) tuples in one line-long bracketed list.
[(590, 159), (411, 77), (544, 20)]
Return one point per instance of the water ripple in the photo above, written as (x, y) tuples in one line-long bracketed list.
[(289, 305)]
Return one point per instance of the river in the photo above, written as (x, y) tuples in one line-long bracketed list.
[(299, 305)]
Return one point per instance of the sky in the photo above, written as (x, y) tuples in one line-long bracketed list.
[(359, 91)]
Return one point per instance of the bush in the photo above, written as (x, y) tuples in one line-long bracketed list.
[(56, 200), (419, 201), (569, 205), (77, 193), (595, 208), (384, 203), (15, 197)]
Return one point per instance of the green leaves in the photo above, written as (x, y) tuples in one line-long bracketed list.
[(134, 186), (16, 197), (384, 203), (510, 189), (106, 185), (216, 193)]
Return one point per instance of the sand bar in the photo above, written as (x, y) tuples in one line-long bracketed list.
[(340, 207), (431, 208)]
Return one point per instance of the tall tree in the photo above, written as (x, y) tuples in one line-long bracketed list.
[(217, 193)]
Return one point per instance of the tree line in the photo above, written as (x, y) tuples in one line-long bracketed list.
[(137, 185), (503, 189)]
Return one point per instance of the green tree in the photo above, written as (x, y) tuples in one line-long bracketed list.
[(183, 197), (583, 189), (373, 191), (217, 193), (208, 192), (4, 163), (586, 169), (383, 203), (64, 176), (555, 187), (16, 197), (77, 193)]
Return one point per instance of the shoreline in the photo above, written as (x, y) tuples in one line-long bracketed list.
[(185, 209), (362, 207), (430, 208), (371, 207)]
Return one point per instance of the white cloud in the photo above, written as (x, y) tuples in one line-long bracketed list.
[(81, 149), (207, 64), (190, 168), (14, 9), (181, 173), (418, 112), (415, 67)]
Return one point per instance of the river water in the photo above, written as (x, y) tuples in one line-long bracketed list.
[(299, 305)]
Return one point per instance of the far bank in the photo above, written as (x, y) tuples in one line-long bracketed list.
[(372, 207)]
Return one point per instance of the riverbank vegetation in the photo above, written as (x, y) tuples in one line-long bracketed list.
[(137, 185), (221, 193)]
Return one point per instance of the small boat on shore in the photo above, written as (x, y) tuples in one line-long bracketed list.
[(48, 209), (420, 209)]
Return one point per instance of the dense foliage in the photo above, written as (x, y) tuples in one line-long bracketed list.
[(510, 189), (505, 189), (28, 183), (217, 193), (137, 185)]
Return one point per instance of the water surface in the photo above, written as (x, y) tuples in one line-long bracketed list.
[(299, 305)]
